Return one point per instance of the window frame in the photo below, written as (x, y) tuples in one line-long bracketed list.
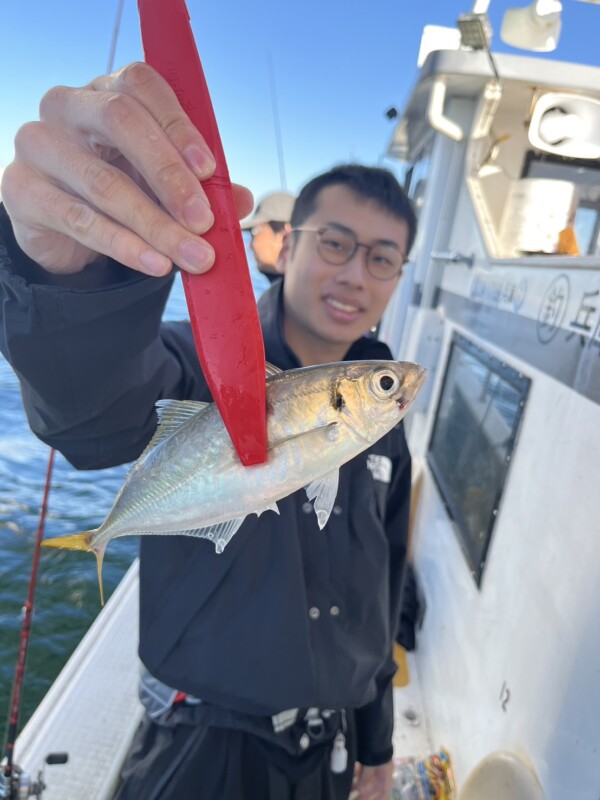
[(476, 559)]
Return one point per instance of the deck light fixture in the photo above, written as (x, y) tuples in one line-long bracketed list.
[(475, 31), (535, 27)]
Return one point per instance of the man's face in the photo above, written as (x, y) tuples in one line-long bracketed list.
[(328, 307), (265, 245)]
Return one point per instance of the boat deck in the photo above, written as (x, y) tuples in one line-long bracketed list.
[(412, 737), (92, 709)]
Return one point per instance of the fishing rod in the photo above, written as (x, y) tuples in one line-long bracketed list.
[(16, 784)]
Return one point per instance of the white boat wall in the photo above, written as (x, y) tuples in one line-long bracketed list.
[(501, 302)]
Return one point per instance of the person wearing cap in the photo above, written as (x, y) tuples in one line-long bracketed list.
[(267, 226)]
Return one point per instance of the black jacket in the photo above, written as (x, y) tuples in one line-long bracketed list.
[(288, 616)]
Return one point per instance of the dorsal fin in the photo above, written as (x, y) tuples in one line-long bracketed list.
[(171, 415), (271, 370), (176, 412)]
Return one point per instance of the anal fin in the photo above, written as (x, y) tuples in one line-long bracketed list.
[(220, 534), (272, 507)]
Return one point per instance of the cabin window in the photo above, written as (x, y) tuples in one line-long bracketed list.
[(530, 203), (473, 439), (585, 178)]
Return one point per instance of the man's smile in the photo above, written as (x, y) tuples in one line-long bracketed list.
[(342, 310)]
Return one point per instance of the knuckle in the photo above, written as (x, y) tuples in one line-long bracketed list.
[(143, 215), (135, 76), (141, 81), (79, 218), (9, 184), (23, 196), (101, 179), (28, 136), (140, 217), (113, 240), (120, 244), (174, 124), (153, 225), (54, 98), (173, 176), (117, 110)]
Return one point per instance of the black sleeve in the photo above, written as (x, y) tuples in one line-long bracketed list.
[(375, 721), (91, 354)]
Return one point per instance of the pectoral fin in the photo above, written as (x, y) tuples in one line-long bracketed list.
[(323, 491)]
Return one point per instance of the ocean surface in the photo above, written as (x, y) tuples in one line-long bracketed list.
[(67, 598)]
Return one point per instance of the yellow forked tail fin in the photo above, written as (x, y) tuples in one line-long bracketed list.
[(77, 541), (80, 541)]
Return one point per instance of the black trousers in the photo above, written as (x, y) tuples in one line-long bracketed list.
[(187, 762)]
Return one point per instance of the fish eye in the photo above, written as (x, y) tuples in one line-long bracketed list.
[(385, 383)]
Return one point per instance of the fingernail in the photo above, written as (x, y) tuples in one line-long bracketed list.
[(200, 161), (197, 256), (197, 214), (155, 263)]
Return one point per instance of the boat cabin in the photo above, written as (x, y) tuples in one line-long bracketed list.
[(501, 301)]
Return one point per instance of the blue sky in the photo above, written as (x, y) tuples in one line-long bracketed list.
[(338, 65)]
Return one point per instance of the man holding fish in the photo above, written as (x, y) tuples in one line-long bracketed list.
[(267, 657)]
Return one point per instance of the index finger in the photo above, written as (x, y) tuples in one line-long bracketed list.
[(144, 84), (129, 117)]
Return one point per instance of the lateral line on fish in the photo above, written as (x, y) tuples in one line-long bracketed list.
[(169, 489)]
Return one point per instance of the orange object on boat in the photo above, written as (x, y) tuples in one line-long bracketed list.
[(221, 302)]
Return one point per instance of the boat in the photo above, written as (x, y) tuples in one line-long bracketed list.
[(501, 301), (501, 155)]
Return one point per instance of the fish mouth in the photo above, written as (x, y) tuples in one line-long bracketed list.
[(413, 389)]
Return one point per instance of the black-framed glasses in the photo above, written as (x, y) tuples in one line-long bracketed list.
[(337, 246)]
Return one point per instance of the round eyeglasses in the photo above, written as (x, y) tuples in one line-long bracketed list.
[(337, 246)]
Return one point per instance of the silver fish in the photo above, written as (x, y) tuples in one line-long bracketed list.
[(189, 480)]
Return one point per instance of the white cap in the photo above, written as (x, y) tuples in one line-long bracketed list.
[(275, 207)]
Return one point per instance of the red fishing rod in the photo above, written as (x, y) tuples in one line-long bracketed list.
[(13, 782)]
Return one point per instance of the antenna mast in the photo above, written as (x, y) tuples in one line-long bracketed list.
[(276, 124), (113, 45)]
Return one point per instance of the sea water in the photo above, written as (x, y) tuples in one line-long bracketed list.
[(67, 597)]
